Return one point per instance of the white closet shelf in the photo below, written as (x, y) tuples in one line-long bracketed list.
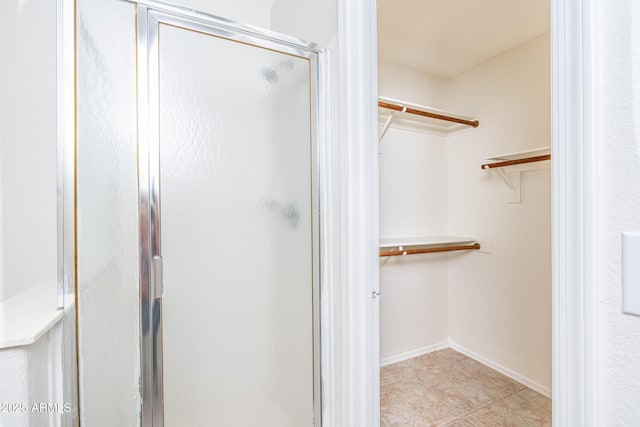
[(412, 116), (424, 245), (425, 241), (518, 155)]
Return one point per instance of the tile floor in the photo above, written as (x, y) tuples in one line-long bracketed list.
[(446, 388)]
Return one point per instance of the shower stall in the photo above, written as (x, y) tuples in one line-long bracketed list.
[(228, 205)]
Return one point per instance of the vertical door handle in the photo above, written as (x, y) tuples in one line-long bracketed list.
[(157, 277)]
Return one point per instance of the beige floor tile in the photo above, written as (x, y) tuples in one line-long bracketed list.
[(523, 409), (392, 373), (408, 403), (534, 400), (450, 355), (460, 422), (446, 388), (462, 391), (504, 385), (498, 415)]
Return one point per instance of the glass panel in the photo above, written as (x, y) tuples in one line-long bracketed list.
[(237, 232), (107, 206)]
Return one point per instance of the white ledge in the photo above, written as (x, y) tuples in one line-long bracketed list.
[(29, 315), (541, 151), (424, 241), (418, 123)]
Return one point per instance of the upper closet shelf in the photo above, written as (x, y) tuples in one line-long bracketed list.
[(420, 116), (395, 242), (428, 244), (519, 158)]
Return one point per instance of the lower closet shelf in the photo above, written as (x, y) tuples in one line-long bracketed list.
[(427, 244)]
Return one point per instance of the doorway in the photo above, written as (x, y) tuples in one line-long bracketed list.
[(452, 186)]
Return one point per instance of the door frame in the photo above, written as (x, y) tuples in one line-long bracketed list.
[(574, 181), (574, 298), (356, 400)]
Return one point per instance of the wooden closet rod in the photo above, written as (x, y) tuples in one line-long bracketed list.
[(516, 162), (475, 247), (396, 107)]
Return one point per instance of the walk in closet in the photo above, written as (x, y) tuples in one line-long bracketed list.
[(465, 212)]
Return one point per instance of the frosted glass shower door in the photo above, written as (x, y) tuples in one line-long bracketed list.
[(237, 232)]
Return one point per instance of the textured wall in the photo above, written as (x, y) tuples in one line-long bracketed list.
[(253, 12), (30, 375), (311, 20), (618, 205)]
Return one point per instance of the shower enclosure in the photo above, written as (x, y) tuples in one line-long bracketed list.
[(229, 222)]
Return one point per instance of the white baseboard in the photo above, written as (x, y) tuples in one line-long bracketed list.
[(545, 391), (414, 353)]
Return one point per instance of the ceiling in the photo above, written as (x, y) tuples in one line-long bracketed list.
[(443, 38)]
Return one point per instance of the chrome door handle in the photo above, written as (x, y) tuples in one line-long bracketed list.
[(157, 277)]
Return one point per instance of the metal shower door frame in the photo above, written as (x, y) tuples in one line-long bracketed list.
[(150, 16)]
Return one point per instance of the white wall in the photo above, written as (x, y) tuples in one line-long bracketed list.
[(500, 303), (413, 202), (617, 108), (413, 185), (398, 82), (27, 145), (310, 20), (252, 12)]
